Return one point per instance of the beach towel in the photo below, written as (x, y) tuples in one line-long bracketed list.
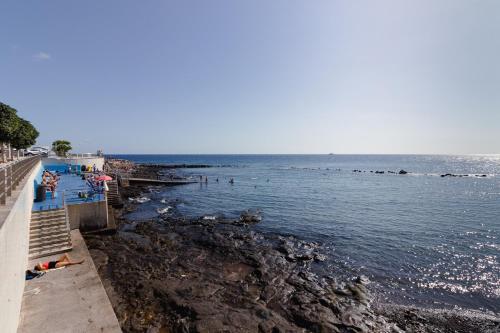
[(33, 274)]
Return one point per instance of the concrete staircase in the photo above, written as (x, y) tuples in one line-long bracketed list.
[(49, 233), (114, 198)]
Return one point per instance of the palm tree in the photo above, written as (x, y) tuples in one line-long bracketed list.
[(61, 147)]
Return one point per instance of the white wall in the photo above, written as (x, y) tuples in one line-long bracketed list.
[(98, 161), (14, 249)]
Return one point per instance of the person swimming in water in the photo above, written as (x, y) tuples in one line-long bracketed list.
[(231, 181), (63, 261)]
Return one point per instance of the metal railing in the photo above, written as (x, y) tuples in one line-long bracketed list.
[(11, 174), (83, 155)]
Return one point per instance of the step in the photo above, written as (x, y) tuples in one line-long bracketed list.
[(45, 217), (43, 247), (48, 216), (48, 231), (49, 252), (41, 238), (52, 231), (46, 224), (48, 239), (35, 228), (48, 220), (46, 212)]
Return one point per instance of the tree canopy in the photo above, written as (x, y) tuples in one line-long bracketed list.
[(61, 147), (15, 130), (25, 135), (9, 122)]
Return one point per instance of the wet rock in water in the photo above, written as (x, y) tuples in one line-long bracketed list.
[(250, 217), (163, 210), (139, 200), (418, 320), (318, 257), (403, 172)]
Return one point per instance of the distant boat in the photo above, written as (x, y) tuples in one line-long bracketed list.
[(331, 154)]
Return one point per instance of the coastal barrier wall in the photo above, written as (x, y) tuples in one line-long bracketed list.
[(14, 247), (88, 216)]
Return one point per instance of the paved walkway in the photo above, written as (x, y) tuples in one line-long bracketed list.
[(71, 299)]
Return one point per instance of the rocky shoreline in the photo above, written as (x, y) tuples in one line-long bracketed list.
[(173, 274)]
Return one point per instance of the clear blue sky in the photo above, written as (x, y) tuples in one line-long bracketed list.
[(256, 76)]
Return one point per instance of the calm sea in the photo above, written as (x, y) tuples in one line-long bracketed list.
[(421, 239)]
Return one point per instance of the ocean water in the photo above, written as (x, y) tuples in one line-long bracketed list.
[(420, 238)]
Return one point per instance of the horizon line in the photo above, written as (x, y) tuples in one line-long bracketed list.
[(315, 154)]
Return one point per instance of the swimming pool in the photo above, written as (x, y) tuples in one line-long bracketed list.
[(69, 185)]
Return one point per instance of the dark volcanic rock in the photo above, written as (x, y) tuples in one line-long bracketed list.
[(188, 277), (439, 321)]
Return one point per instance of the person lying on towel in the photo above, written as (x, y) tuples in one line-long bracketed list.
[(63, 261)]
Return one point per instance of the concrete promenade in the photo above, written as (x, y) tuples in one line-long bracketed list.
[(71, 299)]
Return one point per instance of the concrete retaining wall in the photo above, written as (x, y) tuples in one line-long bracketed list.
[(14, 248), (88, 216)]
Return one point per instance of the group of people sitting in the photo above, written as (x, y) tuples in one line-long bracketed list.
[(96, 186), (50, 180), (82, 168)]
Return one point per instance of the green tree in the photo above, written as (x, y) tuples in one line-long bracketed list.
[(25, 135), (14, 131), (61, 147), (9, 122)]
